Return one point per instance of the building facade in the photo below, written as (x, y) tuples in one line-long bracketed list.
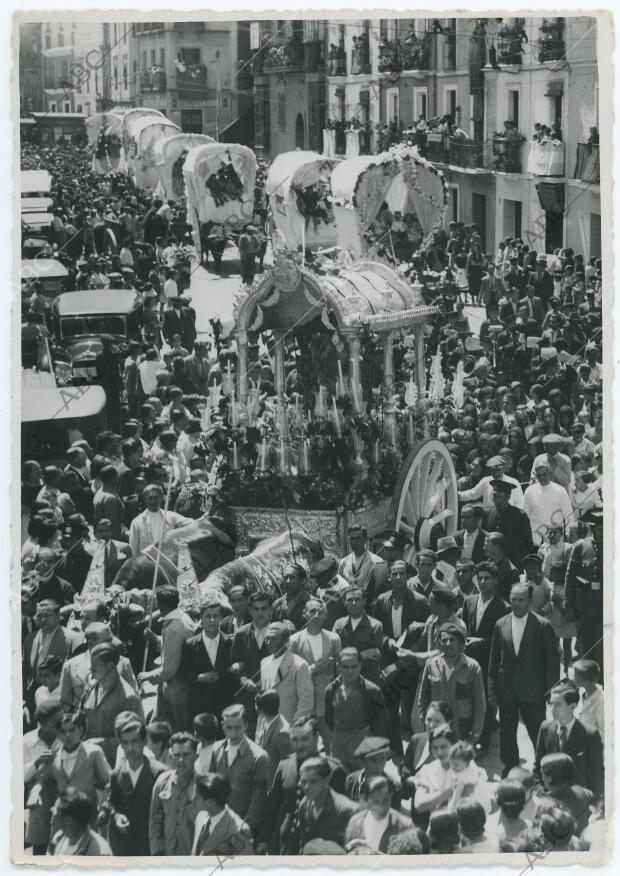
[(188, 70), (73, 67), (289, 72)]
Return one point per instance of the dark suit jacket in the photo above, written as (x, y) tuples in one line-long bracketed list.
[(227, 625), (543, 286), (397, 823), (375, 712), (415, 608), (538, 309), (367, 634), (497, 608), (135, 804), (245, 650), (585, 748), (514, 524), (282, 800), (64, 644), (478, 554), (530, 675), (210, 697), (330, 824), (276, 741), (248, 776)]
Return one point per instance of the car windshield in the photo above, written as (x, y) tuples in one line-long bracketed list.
[(74, 326)]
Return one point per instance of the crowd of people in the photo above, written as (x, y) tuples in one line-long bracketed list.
[(443, 700)]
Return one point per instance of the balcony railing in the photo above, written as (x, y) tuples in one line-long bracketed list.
[(360, 56), (551, 45), (411, 53), (192, 84), (503, 154), (153, 80), (289, 56), (510, 39), (466, 153), (588, 168), (336, 61)]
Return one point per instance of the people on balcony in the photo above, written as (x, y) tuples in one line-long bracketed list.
[(593, 139)]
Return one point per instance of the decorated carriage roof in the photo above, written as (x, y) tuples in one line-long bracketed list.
[(402, 179), (111, 122), (291, 169), (169, 148), (149, 130), (133, 116), (230, 201), (367, 294), (298, 188)]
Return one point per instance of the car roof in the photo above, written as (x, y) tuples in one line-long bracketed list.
[(97, 302), (37, 218), (43, 267)]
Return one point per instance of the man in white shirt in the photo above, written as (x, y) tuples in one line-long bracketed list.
[(286, 673), (559, 463), (146, 529), (42, 739), (545, 502), (483, 489), (171, 289)]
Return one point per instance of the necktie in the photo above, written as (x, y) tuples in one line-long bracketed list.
[(204, 835), (563, 737)]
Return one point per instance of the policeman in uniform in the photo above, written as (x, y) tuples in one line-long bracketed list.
[(584, 587)]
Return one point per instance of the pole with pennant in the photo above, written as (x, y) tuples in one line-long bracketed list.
[(157, 563)]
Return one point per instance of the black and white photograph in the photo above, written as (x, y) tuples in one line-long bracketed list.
[(315, 548)]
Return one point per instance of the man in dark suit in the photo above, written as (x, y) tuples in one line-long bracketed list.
[(542, 281), (471, 537), (115, 552), (513, 523), (276, 832), (248, 649), (291, 605), (396, 610), (507, 572), (480, 613), (130, 796), (246, 766), (524, 665), (77, 560), (509, 307), (566, 734), (360, 631), (49, 640), (205, 663), (238, 596), (323, 813), (273, 731), (535, 308), (82, 495)]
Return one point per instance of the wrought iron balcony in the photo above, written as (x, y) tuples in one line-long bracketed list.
[(153, 80)]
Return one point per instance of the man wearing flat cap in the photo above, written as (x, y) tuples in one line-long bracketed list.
[(455, 679), (374, 752), (584, 587), (513, 523)]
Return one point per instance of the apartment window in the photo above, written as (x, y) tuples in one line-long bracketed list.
[(189, 56), (78, 108), (52, 107), (392, 105), (282, 112), (61, 39), (115, 74), (152, 57), (513, 107), (67, 107), (48, 42), (144, 65), (162, 57), (420, 103), (135, 71), (115, 32), (449, 101)]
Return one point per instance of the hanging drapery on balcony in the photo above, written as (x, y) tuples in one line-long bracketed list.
[(477, 59), (555, 88), (551, 196)]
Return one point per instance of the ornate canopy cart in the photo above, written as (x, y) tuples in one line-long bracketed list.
[(336, 439), (298, 187), (105, 135), (163, 166)]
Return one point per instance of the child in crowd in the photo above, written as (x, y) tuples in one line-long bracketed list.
[(528, 780), (508, 822), (469, 780), (158, 736)]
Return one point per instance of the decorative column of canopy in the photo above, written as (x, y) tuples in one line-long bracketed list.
[(355, 347), (388, 361), (420, 366), (242, 366), (278, 368)]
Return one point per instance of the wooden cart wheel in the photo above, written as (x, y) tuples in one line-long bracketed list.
[(425, 503)]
